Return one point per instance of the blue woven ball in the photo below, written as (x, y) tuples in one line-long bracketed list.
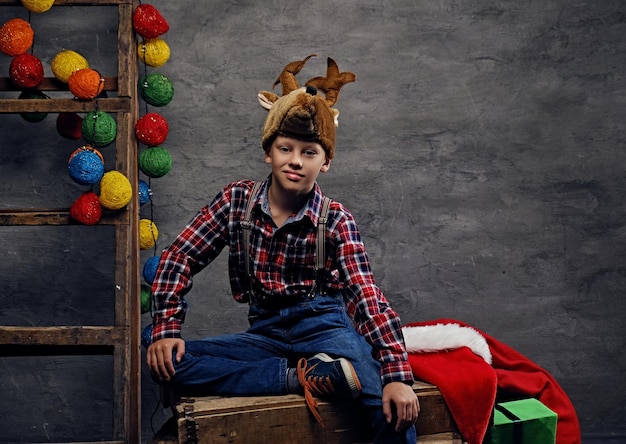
[(144, 192), (146, 336), (86, 167), (150, 269)]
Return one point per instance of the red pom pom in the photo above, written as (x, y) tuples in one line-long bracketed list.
[(26, 71), (70, 125), (151, 129), (86, 209), (148, 21)]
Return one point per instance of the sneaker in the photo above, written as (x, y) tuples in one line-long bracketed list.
[(324, 376)]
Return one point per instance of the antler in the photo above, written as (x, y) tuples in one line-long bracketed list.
[(329, 85), (333, 82), (287, 77)]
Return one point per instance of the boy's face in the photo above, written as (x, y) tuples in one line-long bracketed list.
[(296, 164)]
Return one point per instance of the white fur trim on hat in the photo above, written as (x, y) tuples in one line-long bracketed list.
[(440, 337)]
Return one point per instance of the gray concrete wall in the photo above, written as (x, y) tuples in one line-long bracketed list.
[(481, 151)]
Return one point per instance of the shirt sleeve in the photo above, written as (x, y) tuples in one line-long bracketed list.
[(194, 248), (374, 318)]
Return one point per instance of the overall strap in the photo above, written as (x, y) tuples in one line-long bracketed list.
[(245, 225), (320, 241), (320, 251)]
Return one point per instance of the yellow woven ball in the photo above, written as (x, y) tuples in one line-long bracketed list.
[(38, 5), (154, 52), (65, 63), (148, 234), (115, 190)]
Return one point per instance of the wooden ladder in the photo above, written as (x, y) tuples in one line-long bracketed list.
[(121, 339)]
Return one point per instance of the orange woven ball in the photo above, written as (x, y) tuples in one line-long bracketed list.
[(16, 36), (26, 71), (86, 83), (86, 148)]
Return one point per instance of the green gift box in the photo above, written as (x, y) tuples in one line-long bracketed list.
[(526, 421)]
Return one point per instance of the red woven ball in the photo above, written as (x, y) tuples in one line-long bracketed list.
[(148, 21), (86, 83), (26, 71), (151, 129), (16, 36), (86, 209), (69, 125)]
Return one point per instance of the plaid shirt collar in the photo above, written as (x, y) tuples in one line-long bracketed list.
[(311, 209)]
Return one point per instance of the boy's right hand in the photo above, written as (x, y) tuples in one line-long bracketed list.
[(159, 357)]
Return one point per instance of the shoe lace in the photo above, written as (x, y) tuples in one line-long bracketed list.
[(313, 385)]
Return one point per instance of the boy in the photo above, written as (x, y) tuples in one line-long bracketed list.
[(320, 331)]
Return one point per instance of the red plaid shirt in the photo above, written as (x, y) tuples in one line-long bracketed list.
[(283, 267)]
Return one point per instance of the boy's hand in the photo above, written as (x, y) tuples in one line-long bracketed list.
[(159, 357), (406, 404)]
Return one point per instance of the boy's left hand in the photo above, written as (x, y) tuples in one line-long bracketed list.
[(406, 404)]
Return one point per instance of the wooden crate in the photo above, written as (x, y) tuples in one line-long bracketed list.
[(286, 420)]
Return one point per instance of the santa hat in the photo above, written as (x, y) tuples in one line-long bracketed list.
[(301, 112), (473, 369)]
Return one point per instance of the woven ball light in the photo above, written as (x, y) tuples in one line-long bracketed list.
[(86, 83), (66, 62), (156, 89), (154, 52), (38, 5), (26, 71), (155, 161), (148, 234), (16, 36), (69, 125), (145, 298), (148, 21), (150, 269), (115, 190), (86, 209), (99, 128), (85, 167), (87, 148), (151, 129), (34, 116), (145, 193)]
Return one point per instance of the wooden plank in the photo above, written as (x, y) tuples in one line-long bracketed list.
[(127, 389), (72, 2), (286, 419), (113, 105), (440, 438), (52, 84), (34, 217), (62, 336)]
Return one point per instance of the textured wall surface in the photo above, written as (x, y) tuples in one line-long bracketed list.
[(481, 150)]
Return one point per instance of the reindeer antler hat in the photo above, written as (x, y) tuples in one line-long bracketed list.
[(301, 112)]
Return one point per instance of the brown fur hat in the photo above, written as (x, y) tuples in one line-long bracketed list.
[(302, 113)]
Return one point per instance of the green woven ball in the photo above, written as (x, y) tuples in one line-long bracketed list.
[(145, 295), (156, 89), (33, 117), (155, 161), (99, 128)]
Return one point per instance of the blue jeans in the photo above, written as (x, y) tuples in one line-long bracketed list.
[(255, 362)]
